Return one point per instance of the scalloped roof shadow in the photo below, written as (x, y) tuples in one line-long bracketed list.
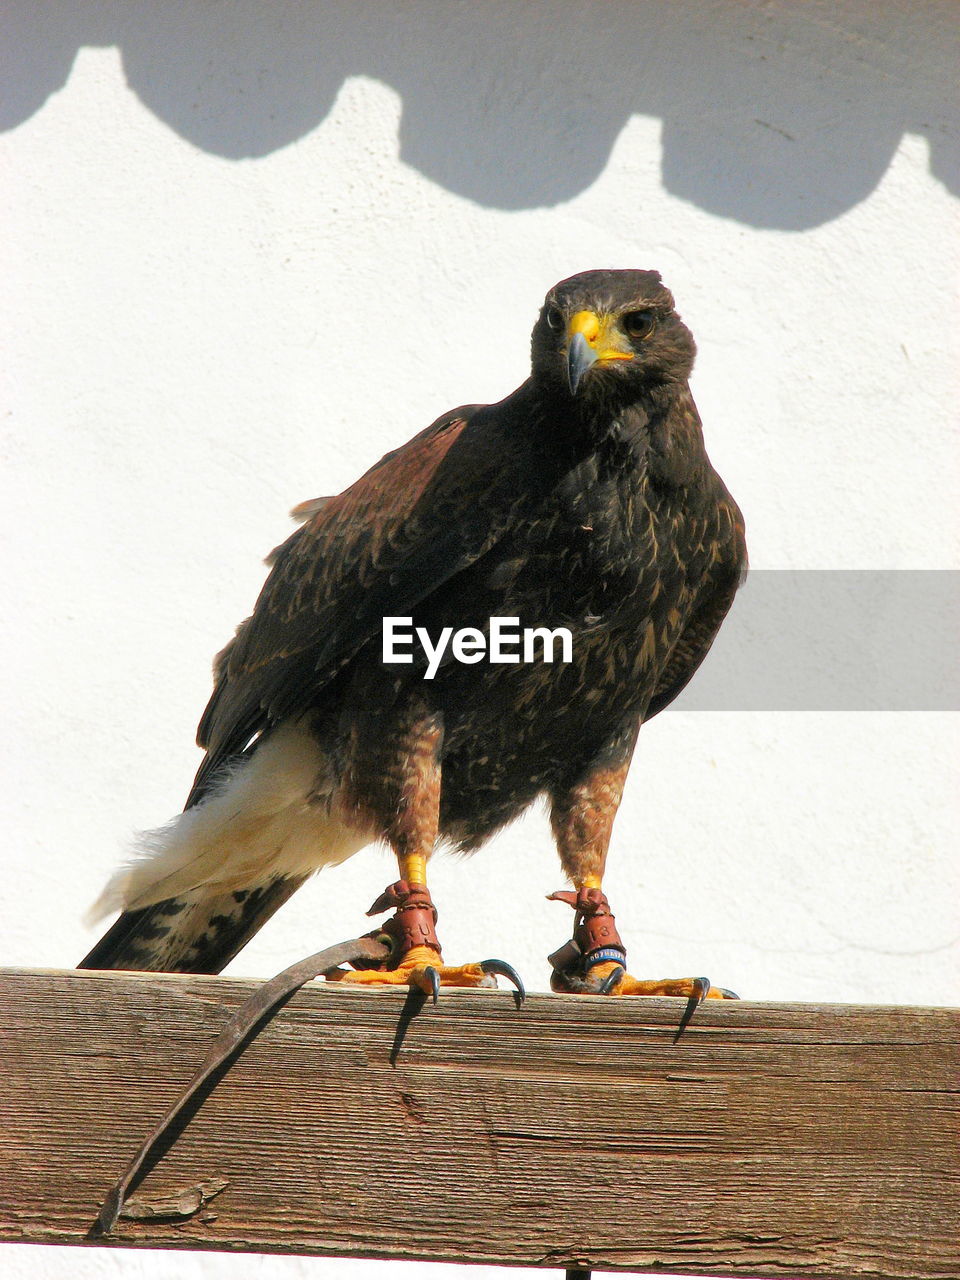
[(777, 116)]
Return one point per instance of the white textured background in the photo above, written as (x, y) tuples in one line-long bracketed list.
[(246, 248)]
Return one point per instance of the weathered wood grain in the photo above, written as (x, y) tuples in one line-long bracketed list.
[(772, 1140)]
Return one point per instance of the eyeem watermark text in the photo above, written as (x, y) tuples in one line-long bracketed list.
[(504, 641)]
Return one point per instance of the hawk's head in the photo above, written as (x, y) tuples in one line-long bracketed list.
[(608, 335)]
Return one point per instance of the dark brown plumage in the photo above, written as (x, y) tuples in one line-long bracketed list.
[(583, 500)]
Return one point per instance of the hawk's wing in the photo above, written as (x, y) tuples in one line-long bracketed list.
[(419, 516), (724, 569)]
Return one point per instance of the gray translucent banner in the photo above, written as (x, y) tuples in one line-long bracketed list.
[(835, 640)]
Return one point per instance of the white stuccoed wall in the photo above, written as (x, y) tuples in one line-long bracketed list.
[(249, 248)]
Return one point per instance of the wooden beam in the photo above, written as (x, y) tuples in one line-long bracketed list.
[(772, 1140)]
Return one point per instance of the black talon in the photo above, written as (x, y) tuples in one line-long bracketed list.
[(611, 981), (434, 976), (506, 971), (728, 994), (700, 988)]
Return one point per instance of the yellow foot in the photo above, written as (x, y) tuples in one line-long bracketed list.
[(422, 968), (611, 979), (593, 961)]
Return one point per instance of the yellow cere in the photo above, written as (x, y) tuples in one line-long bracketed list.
[(600, 334)]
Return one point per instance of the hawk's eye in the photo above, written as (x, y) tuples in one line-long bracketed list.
[(638, 324), (554, 318)]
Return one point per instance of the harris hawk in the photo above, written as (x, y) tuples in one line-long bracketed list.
[(585, 500)]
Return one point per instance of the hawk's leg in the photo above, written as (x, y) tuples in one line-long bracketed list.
[(594, 960), (416, 959), (411, 820)]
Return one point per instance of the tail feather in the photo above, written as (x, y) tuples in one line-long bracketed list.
[(189, 934), (203, 885)]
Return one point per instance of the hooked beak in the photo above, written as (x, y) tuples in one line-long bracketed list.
[(580, 358), (589, 339)]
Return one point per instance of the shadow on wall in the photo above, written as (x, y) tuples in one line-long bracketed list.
[(776, 115)]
